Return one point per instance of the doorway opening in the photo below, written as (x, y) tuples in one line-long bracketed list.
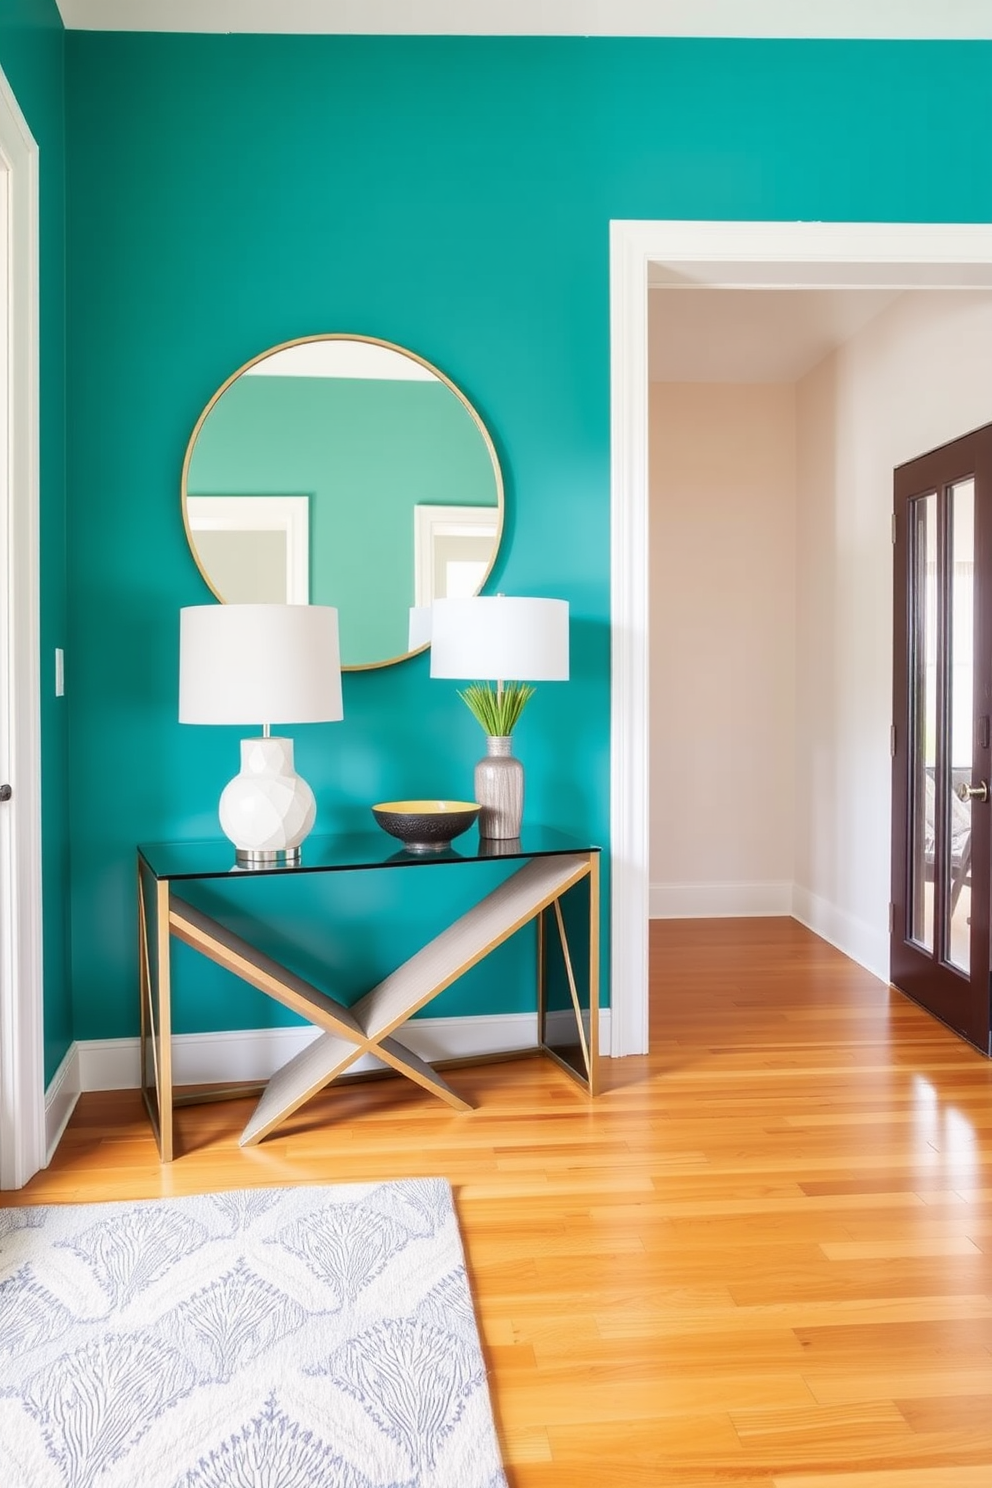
[(736, 256)]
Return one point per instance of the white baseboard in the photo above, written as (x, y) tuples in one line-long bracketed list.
[(718, 901), (864, 943), (256, 1053), (60, 1100)]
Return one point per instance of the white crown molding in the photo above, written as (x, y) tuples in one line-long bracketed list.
[(866, 19)]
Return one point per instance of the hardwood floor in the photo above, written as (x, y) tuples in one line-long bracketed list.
[(762, 1256)]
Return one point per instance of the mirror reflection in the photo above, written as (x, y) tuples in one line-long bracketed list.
[(343, 470)]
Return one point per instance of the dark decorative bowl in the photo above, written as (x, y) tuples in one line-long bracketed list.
[(425, 826)]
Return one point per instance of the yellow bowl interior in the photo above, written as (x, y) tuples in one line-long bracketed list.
[(425, 808)]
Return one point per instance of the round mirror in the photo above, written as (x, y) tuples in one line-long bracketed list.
[(342, 470)]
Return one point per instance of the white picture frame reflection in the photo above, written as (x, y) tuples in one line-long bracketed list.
[(452, 550), (257, 548)]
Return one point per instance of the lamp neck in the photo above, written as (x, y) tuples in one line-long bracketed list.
[(266, 731)]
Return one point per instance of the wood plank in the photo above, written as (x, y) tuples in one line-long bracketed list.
[(896, 1477)]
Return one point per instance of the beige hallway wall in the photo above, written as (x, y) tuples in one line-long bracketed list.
[(722, 577), (916, 376)]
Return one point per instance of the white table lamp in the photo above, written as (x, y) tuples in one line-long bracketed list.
[(419, 632), (262, 664), (509, 641)]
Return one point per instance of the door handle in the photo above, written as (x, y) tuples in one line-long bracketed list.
[(979, 792)]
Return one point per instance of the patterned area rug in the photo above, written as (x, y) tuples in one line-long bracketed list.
[(264, 1338)]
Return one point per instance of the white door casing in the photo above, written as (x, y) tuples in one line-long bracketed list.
[(769, 255), (22, 1094), (285, 516)]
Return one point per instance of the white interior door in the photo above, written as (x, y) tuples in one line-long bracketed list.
[(22, 1095)]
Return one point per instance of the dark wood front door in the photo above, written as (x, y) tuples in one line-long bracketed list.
[(941, 758)]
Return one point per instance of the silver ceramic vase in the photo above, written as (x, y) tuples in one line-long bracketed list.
[(499, 789)]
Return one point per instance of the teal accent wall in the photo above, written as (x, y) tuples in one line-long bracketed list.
[(365, 452), (32, 56), (453, 195)]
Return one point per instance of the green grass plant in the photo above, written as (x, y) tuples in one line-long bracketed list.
[(497, 709)]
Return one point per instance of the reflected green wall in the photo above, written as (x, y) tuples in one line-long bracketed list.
[(365, 452), (453, 195), (31, 56)]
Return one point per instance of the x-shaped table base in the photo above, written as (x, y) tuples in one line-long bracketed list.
[(369, 1025)]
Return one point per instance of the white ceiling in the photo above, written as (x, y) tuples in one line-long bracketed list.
[(960, 19), (746, 335)]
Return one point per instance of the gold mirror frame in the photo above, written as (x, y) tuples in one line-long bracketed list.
[(344, 336)]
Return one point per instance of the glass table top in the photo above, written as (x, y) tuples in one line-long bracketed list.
[(329, 854)]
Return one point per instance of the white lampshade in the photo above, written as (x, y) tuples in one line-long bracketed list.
[(259, 664), (262, 664), (500, 638)]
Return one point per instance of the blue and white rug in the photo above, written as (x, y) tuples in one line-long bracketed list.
[(264, 1338)]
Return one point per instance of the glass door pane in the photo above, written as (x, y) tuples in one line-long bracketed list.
[(961, 619), (923, 603)]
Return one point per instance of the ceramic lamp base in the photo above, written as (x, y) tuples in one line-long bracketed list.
[(267, 810)]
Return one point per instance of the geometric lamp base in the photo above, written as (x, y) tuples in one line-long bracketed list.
[(267, 810)]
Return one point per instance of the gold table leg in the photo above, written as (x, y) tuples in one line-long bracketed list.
[(154, 976), (585, 1068)]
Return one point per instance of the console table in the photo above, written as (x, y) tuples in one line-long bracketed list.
[(551, 864)]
